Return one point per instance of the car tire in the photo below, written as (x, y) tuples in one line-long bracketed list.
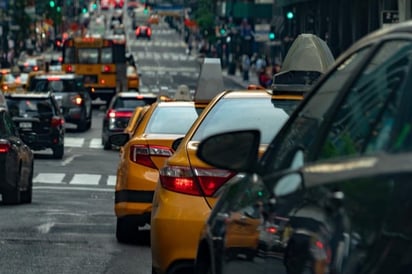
[(125, 230), (12, 196), (58, 152), (82, 125), (26, 196)]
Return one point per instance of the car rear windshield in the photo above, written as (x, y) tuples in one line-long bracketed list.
[(171, 120), (243, 113), (30, 107), (56, 85), (132, 103)]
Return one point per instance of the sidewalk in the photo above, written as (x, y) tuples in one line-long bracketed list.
[(238, 78)]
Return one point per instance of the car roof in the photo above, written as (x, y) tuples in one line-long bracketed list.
[(58, 75), (133, 94), (18, 95)]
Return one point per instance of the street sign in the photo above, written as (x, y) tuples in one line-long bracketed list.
[(389, 17), (262, 32)]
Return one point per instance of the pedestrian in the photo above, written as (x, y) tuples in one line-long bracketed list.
[(245, 67), (265, 79)]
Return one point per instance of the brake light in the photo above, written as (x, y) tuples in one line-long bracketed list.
[(4, 147), (182, 179), (271, 230), (77, 100), (69, 68), (112, 113), (35, 68), (140, 154), (60, 59), (149, 31), (56, 121), (106, 68), (138, 31)]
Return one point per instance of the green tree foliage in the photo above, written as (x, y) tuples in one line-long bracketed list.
[(205, 17)]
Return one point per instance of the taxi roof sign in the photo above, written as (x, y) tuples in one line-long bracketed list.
[(183, 93), (210, 81)]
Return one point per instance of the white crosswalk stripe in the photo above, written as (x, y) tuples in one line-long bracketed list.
[(75, 180), (82, 142)]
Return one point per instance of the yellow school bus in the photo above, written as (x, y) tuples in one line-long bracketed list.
[(102, 62)]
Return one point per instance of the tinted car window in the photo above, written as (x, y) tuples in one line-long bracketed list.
[(6, 125), (257, 110), (371, 105), (31, 107), (132, 103), (176, 120), (57, 85), (308, 120)]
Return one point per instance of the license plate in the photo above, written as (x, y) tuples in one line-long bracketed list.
[(25, 125)]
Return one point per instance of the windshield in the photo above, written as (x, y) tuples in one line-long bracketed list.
[(243, 113)]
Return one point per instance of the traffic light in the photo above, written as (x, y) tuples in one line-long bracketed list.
[(52, 3), (290, 15), (272, 34), (84, 10), (222, 31), (146, 11), (59, 9)]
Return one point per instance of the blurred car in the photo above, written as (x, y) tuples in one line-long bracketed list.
[(16, 163), (147, 150), (143, 31), (31, 63), (359, 107), (119, 112), (133, 79), (74, 100), (185, 192), (154, 19), (39, 120), (12, 80)]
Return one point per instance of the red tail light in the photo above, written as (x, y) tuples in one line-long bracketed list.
[(77, 100), (4, 147), (69, 68), (138, 31), (112, 113), (106, 68), (149, 32), (182, 179), (56, 121), (271, 229), (141, 154)]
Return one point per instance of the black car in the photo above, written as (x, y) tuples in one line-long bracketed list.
[(39, 120), (119, 112), (359, 107), (74, 100), (16, 163)]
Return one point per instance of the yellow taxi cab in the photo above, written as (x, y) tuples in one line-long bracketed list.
[(187, 187), (11, 80), (133, 79), (145, 152)]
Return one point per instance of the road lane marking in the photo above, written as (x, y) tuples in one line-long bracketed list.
[(85, 179), (68, 160), (111, 180), (73, 142), (96, 143), (50, 178)]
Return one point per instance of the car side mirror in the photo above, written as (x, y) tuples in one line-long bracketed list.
[(119, 139), (236, 150), (176, 143)]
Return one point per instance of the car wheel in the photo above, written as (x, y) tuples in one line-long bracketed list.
[(12, 196), (82, 125), (26, 196), (107, 145), (58, 152), (125, 230)]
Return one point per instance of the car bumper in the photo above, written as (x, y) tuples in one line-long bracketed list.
[(184, 216)]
